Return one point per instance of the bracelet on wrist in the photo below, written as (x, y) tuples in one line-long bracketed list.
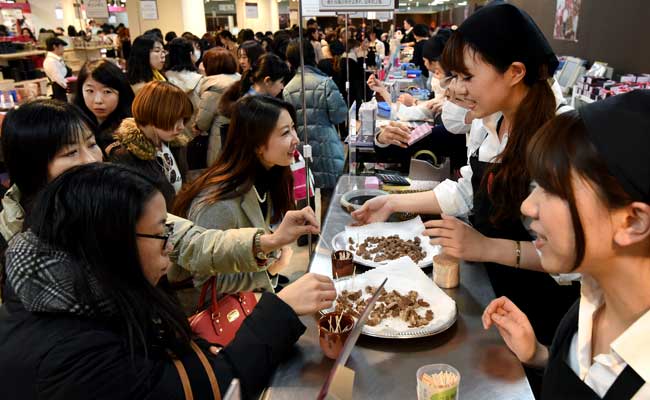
[(518, 254)]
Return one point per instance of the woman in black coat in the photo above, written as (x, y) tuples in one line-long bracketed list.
[(87, 321)]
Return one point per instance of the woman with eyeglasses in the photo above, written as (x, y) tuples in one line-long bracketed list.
[(146, 61), (87, 321), (160, 111), (44, 138)]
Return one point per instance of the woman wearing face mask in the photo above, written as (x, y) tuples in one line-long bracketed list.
[(105, 96), (266, 78), (391, 143), (250, 185), (146, 61), (160, 112), (43, 138), (113, 330), (503, 62), (590, 209)]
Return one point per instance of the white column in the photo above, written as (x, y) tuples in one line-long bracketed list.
[(267, 15), (193, 17)]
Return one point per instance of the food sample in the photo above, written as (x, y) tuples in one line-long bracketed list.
[(389, 305), (382, 248)]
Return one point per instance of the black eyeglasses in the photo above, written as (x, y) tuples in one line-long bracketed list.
[(169, 231)]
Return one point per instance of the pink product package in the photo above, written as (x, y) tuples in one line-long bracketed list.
[(371, 182), (419, 132)]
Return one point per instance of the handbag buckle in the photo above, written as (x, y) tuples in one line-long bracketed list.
[(232, 315)]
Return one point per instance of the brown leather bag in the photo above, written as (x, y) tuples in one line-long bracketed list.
[(219, 323), (185, 380)]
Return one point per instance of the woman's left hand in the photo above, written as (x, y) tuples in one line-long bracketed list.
[(457, 238)]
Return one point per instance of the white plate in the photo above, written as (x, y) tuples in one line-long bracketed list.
[(404, 278), (406, 230)]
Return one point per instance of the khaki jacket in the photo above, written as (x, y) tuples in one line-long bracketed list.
[(196, 250), (237, 213), (12, 215)]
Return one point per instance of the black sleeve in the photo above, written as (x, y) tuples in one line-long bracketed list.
[(265, 338), (440, 141), (97, 365)]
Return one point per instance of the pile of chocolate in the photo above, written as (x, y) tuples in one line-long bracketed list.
[(382, 248), (389, 305)]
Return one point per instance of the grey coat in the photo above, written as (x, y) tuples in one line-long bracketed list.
[(239, 212), (325, 109)]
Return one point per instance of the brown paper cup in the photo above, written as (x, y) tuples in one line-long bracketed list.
[(446, 271)]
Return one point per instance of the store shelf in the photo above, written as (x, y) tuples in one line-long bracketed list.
[(22, 54)]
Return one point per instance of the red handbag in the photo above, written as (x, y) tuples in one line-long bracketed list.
[(219, 322)]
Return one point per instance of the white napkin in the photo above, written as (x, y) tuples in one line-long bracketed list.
[(403, 277), (406, 230)]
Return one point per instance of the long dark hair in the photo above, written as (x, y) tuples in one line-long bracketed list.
[(511, 180), (253, 50), (32, 135), (268, 65), (253, 120), (560, 147), (139, 66), (293, 54), (180, 55), (108, 74), (89, 212)]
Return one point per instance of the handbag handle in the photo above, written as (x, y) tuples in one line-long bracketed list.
[(185, 380), (212, 284)]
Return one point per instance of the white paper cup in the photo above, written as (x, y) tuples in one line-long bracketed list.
[(442, 373)]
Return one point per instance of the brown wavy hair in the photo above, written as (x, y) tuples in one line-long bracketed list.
[(511, 182), (253, 120)]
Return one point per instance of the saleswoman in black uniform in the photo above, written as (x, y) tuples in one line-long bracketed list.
[(503, 63), (591, 213)]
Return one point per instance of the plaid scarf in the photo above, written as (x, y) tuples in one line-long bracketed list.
[(42, 278)]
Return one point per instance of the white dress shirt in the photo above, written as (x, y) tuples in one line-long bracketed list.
[(380, 49), (55, 69), (631, 347)]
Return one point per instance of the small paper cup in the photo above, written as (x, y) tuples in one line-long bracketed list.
[(441, 383), (332, 342), (342, 263), (446, 271)]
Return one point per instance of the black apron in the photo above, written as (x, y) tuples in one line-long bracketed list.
[(560, 382), (537, 294), (58, 91)]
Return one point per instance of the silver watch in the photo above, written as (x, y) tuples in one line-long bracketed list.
[(257, 247)]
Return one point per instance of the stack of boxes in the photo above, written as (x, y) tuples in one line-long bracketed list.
[(601, 88)]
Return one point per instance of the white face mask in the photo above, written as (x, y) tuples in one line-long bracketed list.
[(197, 54), (453, 118)]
